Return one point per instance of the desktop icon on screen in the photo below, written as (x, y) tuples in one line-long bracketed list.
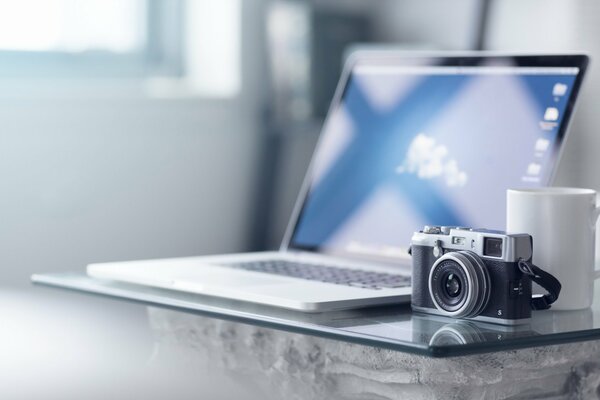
[(559, 89), (551, 114), (541, 145), (534, 169)]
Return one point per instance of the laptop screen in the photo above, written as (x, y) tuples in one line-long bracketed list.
[(410, 145)]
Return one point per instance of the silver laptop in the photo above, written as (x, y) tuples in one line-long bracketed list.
[(408, 141)]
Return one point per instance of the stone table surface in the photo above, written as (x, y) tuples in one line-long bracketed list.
[(270, 364)]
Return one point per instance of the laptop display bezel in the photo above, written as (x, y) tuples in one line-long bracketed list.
[(359, 58)]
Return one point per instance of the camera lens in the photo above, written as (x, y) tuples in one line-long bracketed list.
[(452, 285), (459, 284)]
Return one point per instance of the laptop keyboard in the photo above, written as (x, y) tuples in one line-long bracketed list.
[(322, 273)]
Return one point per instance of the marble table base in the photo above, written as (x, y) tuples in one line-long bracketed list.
[(272, 364)]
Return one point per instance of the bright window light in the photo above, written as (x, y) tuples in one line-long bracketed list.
[(214, 46), (181, 47), (72, 25)]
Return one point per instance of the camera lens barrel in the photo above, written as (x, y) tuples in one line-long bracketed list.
[(459, 284)]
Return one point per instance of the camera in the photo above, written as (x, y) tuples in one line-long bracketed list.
[(473, 273)]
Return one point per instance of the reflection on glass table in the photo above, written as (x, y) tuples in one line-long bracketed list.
[(392, 327)]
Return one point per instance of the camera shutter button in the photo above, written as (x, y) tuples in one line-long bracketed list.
[(437, 249)]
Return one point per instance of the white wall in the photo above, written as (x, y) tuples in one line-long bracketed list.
[(96, 177)]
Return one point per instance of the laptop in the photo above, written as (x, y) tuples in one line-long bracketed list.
[(408, 142)]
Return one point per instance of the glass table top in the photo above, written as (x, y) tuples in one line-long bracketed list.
[(391, 327)]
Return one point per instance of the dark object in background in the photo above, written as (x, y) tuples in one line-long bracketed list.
[(331, 34), (306, 47)]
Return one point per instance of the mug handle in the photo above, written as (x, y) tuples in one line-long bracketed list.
[(595, 221)]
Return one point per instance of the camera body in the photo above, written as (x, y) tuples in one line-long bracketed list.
[(471, 273)]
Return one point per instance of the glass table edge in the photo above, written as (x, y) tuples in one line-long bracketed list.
[(53, 281), (62, 281)]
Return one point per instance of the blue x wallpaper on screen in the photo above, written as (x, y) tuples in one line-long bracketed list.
[(402, 150)]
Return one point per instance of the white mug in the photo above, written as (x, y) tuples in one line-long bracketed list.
[(562, 222)]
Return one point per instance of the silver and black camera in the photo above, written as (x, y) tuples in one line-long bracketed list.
[(477, 274)]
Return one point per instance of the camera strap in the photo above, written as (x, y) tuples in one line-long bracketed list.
[(545, 280)]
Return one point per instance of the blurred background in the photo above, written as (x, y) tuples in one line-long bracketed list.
[(134, 129), (151, 128)]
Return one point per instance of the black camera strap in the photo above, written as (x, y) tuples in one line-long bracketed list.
[(545, 280)]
